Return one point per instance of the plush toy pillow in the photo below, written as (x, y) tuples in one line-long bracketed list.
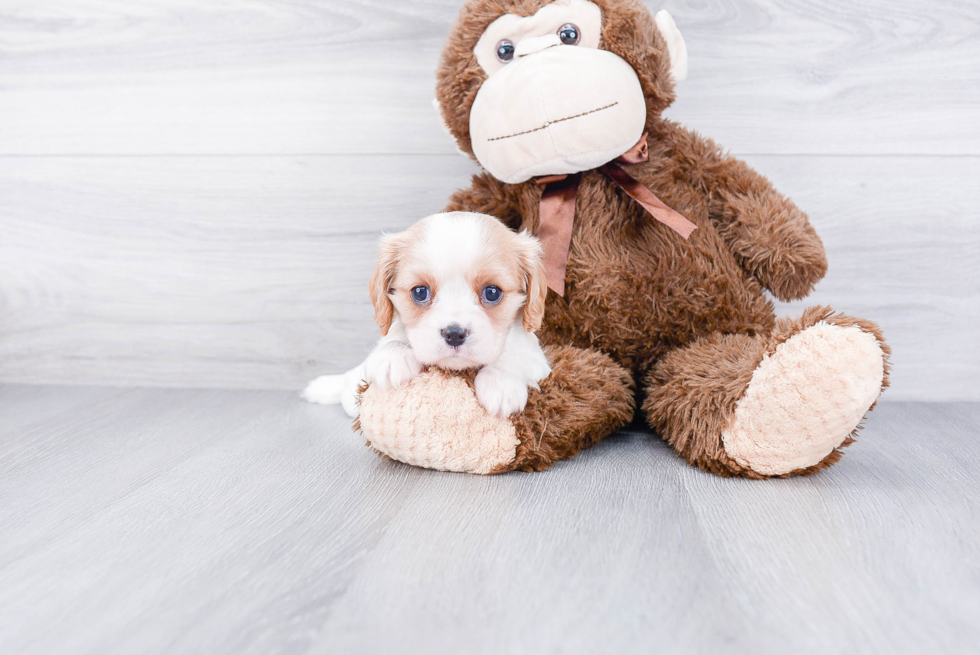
[(435, 421)]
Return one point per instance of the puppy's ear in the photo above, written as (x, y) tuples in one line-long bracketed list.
[(382, 279), (535, 282)]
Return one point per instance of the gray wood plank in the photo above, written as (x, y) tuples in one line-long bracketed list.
[(26, 406), (118, 443), (608, 550), (228, 491), (250, 272), (261, 524), (252, 268), (903, 495), (172, 77), (868, 558), (903, 240), (869, 77)]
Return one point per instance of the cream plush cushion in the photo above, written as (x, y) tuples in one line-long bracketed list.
[(435, 421)]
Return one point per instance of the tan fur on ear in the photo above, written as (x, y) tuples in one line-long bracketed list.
[(381, 280), (535, 282)]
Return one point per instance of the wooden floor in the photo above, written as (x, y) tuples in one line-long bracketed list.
[(180, 521)]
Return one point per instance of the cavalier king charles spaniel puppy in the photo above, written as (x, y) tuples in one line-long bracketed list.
[(455, 291)]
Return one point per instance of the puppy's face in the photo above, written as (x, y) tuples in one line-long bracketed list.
[(458, 282)]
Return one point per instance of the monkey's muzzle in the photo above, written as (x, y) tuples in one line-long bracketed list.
[(559, 111)]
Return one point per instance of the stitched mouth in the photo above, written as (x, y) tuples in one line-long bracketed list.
[(550, 123)]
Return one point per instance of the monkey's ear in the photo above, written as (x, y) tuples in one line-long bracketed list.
[(535, 282), (382, 279), (676, 47)]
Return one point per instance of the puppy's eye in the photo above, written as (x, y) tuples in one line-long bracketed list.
[(492, 295), (569, 34), (420, 294), (505, 50)]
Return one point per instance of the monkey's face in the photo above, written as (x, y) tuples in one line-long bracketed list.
[(547, 93)]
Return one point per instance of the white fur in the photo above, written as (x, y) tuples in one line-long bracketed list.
[(510, 359), (501, 387), (392, 363), (333, 389), (450, 243)]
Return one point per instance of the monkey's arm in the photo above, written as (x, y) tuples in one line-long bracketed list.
[(769, 235), (488, 195)]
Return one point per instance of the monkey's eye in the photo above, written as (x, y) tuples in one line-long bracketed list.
[(492, 295), (569, 34), (420, 295), (505, 50)]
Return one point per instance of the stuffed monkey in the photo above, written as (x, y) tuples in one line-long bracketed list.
[(659, 247)]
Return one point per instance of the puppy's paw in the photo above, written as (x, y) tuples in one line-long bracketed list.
[(391, 365), (325, 390), (499, 393)]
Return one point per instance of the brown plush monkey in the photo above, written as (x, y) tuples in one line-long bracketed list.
[(561, 103)]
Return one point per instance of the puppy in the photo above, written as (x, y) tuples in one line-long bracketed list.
[(456, 291)]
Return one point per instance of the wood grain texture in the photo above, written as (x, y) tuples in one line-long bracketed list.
[(198, 271), (304, 77), (250, 272), (179, 521), (189, 194)]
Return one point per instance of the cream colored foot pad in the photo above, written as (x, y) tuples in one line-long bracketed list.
[(805, 399)]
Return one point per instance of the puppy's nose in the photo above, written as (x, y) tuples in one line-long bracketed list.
[(454, 335)]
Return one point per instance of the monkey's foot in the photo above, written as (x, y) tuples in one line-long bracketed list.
[(772, 404), (805, 399)]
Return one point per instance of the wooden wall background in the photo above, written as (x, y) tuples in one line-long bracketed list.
[(189, 196)]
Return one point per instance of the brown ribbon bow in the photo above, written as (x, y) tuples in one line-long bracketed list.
[(557, 210)]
